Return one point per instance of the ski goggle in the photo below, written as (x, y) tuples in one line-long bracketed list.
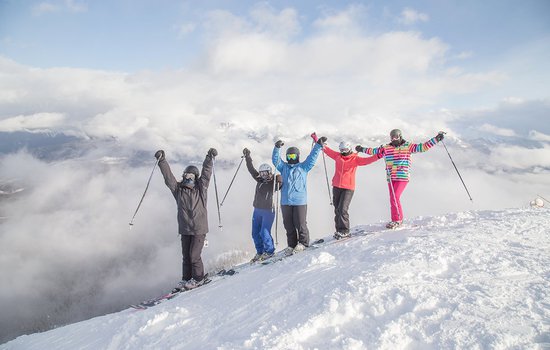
[(189, 176), (292, 156), (395, 137), (265, 173)]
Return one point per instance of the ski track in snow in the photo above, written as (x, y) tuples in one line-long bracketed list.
[(472, 280)]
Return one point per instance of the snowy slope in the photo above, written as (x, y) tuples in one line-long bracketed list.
[(472, 280)]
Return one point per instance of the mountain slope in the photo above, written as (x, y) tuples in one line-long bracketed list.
[(467, 280)]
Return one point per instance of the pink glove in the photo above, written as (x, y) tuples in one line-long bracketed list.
[(314, 137)]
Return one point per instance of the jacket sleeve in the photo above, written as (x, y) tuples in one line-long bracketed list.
[(206, 172), (366, 160), (169, 178), (371, 151), (308, 164), (251, 168), (330, 152), (276, 159), (422, 147)]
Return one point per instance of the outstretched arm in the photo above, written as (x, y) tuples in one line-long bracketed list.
[(169, 178), (249, 165)]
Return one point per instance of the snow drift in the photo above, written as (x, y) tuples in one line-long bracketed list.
[(471, 280)]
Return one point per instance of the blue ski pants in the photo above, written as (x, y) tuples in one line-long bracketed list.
[(262, 220)]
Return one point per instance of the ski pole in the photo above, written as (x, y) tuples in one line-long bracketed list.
[(277, 218), (143, 196), (217, 198), (457, 171), (223, 200), (326, 176)]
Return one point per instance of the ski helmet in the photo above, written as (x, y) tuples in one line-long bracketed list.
[(344, 147), (395, 134), (265, 167), (293, 155)]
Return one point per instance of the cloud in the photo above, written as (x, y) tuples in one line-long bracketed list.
[(496, 131), (411, 16), (42, 122)]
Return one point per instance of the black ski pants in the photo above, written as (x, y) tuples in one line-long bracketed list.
[(294, 221), (191, 249), (341, 198)]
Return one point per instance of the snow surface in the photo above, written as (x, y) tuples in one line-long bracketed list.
[(471, 280)]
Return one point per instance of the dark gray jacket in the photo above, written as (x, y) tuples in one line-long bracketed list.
[(191, 202), (263, 198)]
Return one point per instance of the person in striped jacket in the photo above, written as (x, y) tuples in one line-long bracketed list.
[(397, 155), (343, 182)]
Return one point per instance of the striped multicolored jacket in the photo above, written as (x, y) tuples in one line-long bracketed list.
[(398, 159)]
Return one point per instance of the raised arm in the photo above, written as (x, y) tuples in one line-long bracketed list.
[(249, 165), (169, 178), (207, 167)]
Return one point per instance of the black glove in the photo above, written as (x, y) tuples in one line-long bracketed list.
[(159, 155), (246, 152), (212, 152), (279, 143), (381, 152), (440, 136), (359, 148), (322, 140)]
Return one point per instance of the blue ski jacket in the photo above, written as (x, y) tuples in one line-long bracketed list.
[(294, 191)]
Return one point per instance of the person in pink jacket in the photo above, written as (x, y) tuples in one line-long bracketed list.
[(343, 182), (397, 155)]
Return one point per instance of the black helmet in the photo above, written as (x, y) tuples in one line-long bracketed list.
[(395, 134), (289, 155), (191, 169)]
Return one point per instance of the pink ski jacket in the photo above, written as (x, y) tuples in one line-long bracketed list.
[(344, 174), (398, 159)]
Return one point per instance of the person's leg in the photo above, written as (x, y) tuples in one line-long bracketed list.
[(197, 268), (395, 216), (186, 258), (268, 216), (398, 188), (345, 200), (288, 223), (336, 201), (300, 216), (257, 223)]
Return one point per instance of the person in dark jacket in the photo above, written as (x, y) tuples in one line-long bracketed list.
[(264, 211), (191, 198)]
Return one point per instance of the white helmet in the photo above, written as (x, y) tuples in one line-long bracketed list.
[(265, 167), (344, 147)]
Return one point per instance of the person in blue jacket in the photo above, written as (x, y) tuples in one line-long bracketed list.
[(294, 192)]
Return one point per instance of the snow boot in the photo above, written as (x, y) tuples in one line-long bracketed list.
[(393, 224), (180, 286), (340, 235), (256, 257), (265, 256), (299, 248)]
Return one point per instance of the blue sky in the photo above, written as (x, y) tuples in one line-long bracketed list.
[(135, 35)]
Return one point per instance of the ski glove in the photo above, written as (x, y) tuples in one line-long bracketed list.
[(246, 152), (322, 140), (359, 148), (279, 143), (440, 136), (159, 155), (381, 152), (212, 152), (314, 137)]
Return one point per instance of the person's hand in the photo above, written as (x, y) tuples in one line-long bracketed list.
[(212, 153), (159, 155), (246, 152), (440, 136), (314, 137), (359, 148), (322, 140), (381, 152), (279, 143)]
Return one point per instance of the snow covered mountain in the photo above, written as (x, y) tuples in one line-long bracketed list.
[(470, 280)]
